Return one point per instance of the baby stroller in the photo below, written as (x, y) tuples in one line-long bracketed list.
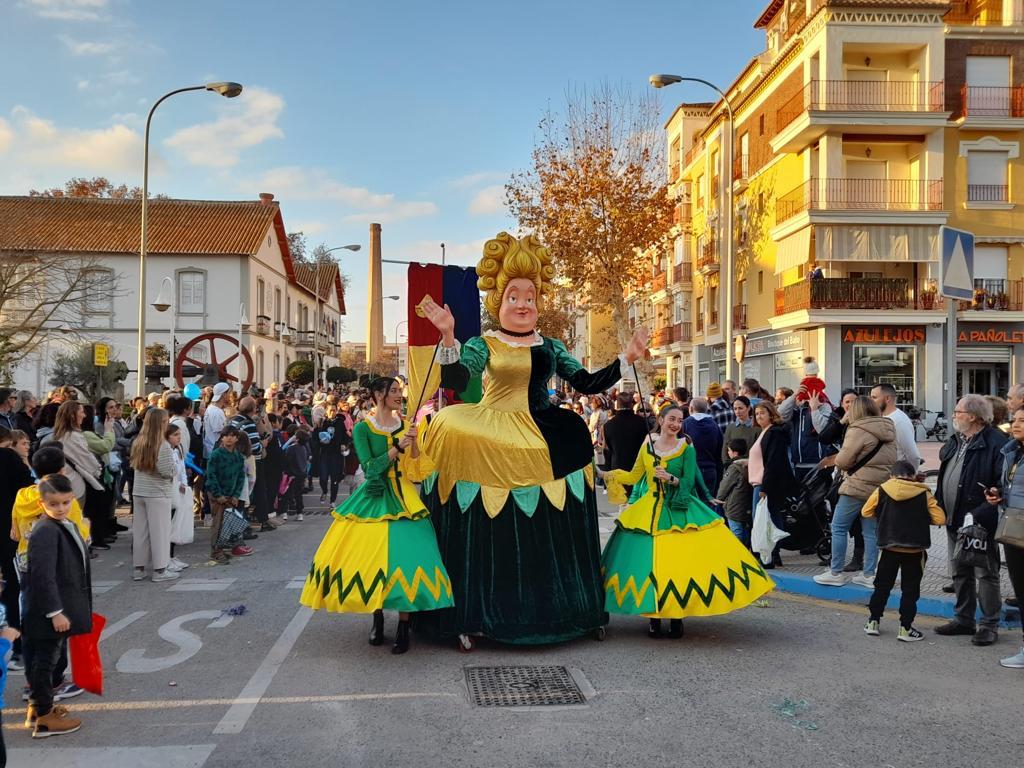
[(814, 502)]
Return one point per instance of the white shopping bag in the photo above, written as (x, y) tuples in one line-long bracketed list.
[(764, 535)]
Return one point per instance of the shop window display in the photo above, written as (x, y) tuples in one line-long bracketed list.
[(885, 365)]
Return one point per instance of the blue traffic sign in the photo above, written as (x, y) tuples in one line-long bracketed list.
[(957, 264)]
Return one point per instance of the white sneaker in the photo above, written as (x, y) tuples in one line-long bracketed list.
[(864, 580), (830, 579), (285, 517), (299, 518), (179, 565), (166, 575), (173, 566)]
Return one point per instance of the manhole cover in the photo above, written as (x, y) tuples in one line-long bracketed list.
[(522, 687)]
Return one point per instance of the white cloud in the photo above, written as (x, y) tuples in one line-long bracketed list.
[(488, 201), (296, 183), (67, 10), (87, 47), (464, 254), (6, 135), (248, 121), (40, 143), (307, 228), (472, 180)]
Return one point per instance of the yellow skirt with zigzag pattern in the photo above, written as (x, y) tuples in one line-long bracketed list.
[(695, 572), (362, 566)]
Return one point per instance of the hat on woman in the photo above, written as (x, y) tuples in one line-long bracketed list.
[(715, 390), (219, 390)]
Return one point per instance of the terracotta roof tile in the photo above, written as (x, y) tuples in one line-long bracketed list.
[(330, 277), (93, 225)]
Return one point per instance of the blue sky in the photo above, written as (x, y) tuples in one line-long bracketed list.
[(408, 113)]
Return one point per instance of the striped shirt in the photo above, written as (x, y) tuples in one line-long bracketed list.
[(248, 426), (157, 484)]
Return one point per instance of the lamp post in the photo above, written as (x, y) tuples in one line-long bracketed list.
[(242, 322), (316, 320), (660, 81), (161, 304), (226, 89), (398, 325)]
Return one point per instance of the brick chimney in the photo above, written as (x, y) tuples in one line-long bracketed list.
[(266, 197)]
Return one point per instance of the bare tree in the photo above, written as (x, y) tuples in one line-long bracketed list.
[(596, 194), (44, 296)]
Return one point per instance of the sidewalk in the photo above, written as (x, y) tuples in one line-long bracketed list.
[(799, 569)]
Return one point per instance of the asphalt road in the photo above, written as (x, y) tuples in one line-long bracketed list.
[(793, 683)]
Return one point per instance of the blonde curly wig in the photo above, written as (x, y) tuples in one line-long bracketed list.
[(506, 258)]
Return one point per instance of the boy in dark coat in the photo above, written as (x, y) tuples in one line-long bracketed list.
[(58, 602)]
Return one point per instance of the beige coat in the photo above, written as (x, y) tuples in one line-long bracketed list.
[(860, 438)]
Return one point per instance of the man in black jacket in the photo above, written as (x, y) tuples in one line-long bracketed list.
[(14, 476), (58, 601), (624, 433), (970, 463)]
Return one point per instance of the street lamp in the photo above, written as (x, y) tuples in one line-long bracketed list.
[(660, 81), (316, 319), (161, 304), (398, 325), (226, 89), (243, 321)]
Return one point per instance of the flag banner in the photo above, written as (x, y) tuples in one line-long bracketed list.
[(456, 287)]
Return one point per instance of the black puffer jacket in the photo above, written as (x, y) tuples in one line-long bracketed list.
[(983, 465)]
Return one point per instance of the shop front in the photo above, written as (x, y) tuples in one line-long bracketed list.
[(986, 356), (885, 354), (774, 358)]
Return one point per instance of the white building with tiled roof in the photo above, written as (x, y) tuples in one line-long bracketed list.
[(213, 261)]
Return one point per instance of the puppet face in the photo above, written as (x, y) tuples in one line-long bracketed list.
[(518, 310)]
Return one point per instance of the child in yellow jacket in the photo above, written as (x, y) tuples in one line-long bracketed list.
[(904, 510)]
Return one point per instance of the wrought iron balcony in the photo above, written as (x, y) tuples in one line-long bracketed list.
[(867, 293), (860, 195), (863, 96)]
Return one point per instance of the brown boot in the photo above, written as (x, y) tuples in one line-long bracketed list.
[(56, 722)]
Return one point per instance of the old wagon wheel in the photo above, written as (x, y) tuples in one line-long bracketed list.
[(221, 351)]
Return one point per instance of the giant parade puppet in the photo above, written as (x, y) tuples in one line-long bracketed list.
[(512, 498)]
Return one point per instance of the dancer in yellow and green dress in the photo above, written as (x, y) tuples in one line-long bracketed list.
[(670, 555), (380, 552)]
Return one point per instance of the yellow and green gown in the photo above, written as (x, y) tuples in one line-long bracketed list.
[(671, 556), (512, 497), (380, 552)]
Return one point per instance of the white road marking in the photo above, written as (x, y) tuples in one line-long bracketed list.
[(173, 632), (240, 712), (178, 756), (102, 587), (117, 626), (201, 585)]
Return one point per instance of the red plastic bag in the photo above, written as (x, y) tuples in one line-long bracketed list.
[(86, 665)]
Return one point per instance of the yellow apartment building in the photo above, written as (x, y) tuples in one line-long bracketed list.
[(861, 129)]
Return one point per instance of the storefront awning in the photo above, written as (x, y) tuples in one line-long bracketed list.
[(793, 251), (836, 242)]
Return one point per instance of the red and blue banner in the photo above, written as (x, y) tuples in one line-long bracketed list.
[(456, 287)]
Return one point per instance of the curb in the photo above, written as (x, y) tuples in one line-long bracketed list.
[(855, 594)]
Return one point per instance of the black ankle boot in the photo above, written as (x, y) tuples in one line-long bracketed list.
[(654, 630), (776, 560), (377, 633), (675, 630), (401, 638)]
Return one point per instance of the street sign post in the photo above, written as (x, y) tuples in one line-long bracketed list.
[(956, 283)]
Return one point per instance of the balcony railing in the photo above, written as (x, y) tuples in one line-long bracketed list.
[(991, 101), (988, 193), (684, 332), (692, 152), (682, 273), (739, 317), (863, 96), (682, 214), (700, 322), (304, 339), (996, 296), (980, 13), (664, 336), (263, 325), (708, 256), (659, 281), (740, 167), (860, 194), (713, 318), (869, 293)]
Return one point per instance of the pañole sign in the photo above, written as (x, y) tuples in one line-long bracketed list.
[(884, 334), (991, 335)]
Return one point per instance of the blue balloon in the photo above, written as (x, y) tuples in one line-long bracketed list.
[(193, 391)]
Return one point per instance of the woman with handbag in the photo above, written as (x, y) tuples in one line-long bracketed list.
[(1010, 531), (769, 469), (867, 456), (153, 461)]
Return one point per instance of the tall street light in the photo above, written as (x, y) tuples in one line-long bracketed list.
[(660, 81), (316, 321), (226, 89)]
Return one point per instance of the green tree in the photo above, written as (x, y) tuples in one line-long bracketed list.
[(338, 374), (300, 372), (74, 367)]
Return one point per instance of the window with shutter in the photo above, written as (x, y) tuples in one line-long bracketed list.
[(986, 176), (191, 293)]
